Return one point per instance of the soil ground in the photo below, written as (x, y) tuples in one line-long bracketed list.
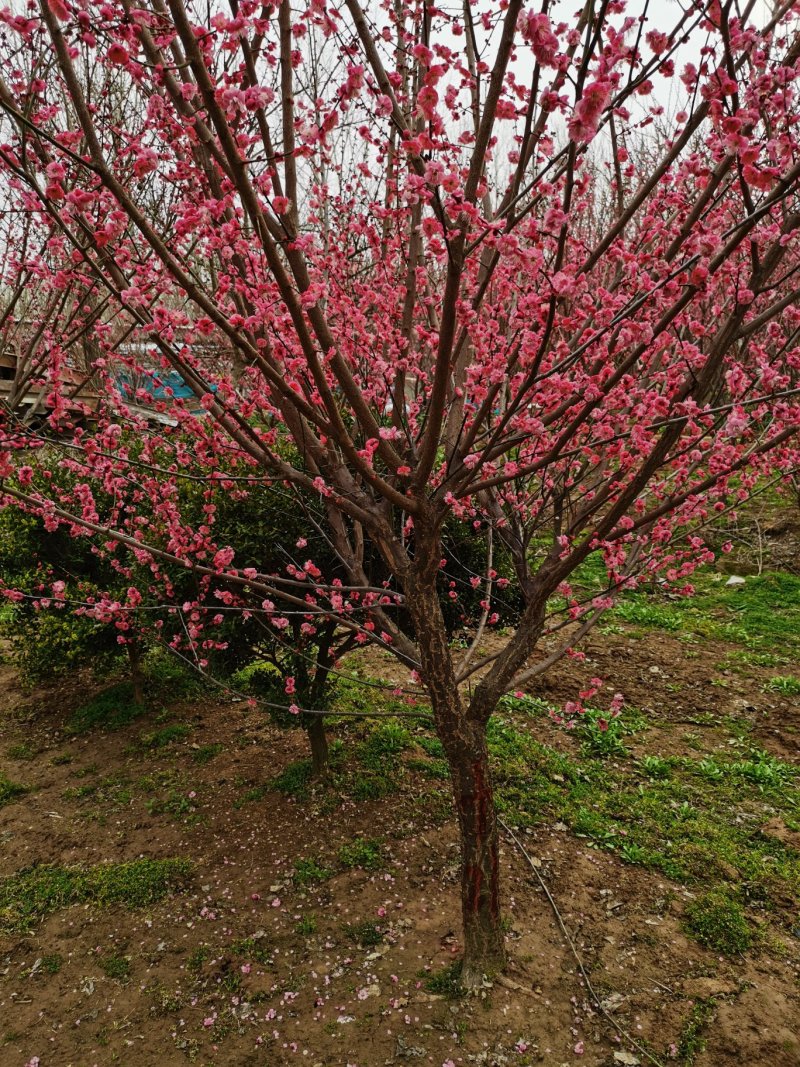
[(319, 924)]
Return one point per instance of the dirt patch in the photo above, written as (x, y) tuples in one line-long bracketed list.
[(266, 960)]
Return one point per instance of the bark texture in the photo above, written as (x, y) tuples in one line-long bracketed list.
[(463, 737)]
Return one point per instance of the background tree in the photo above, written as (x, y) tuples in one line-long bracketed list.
[(493, 311)]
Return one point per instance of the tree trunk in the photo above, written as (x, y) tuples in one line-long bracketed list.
[(318, 741), (463, 737), (137, 678), (468, 758)]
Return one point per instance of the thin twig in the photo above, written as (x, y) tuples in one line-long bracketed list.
[(606, 1015)]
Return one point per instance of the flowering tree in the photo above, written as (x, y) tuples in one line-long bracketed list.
[(460, 262)]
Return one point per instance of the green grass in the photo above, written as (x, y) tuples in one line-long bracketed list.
[(447, 982), (294, 779), (11, 790), (310, 872), (763, 614), (785, 684), (306, 926), (692, 1041), (175, 804), (22, 751), (166, 735), (32, 894), (366, 934), (112, 709), (384, 743), (205, 753), (691, 819), (116, 967), (717, 921), (362, 852), (250, 796)]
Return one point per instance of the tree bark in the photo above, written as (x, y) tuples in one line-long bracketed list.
[(468, 759), (463, 737), (318, 742), (137, 678)]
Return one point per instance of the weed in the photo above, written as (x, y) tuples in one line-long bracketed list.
[(197, 958), (35, 892), (177, 804), (785, 684), (763, 769), (294, 779), (718, 922), (601, 733), (61, 760), (309, 872), (447, 982), (11, 790), (205, 753), (307, 926), (110, 710), (167, 735), (710, 770), (254, 794), (165, 1002), (371, 786), (432, 745), (366, 934), (386, 741), (167, 676), (525, 704), (117, 967), (431, 768), (691, 1042), (362, 852), (22, 751), (652, 614), (253, 949), (655, 766)]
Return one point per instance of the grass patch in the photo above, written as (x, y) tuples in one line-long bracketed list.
[(253, 950), (310, 872), (717, 921), (22, 751), (692, 819), (307, 926), (112, 709), (116, 967), (11, 790), (177, 803), (250, 796), (761, 614), (36, 892), (447, 982), (692, 1040), (366, 934), (366, 853), (166, 735), (387, 739), (785, 684), (294, 779), (205, 753)]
